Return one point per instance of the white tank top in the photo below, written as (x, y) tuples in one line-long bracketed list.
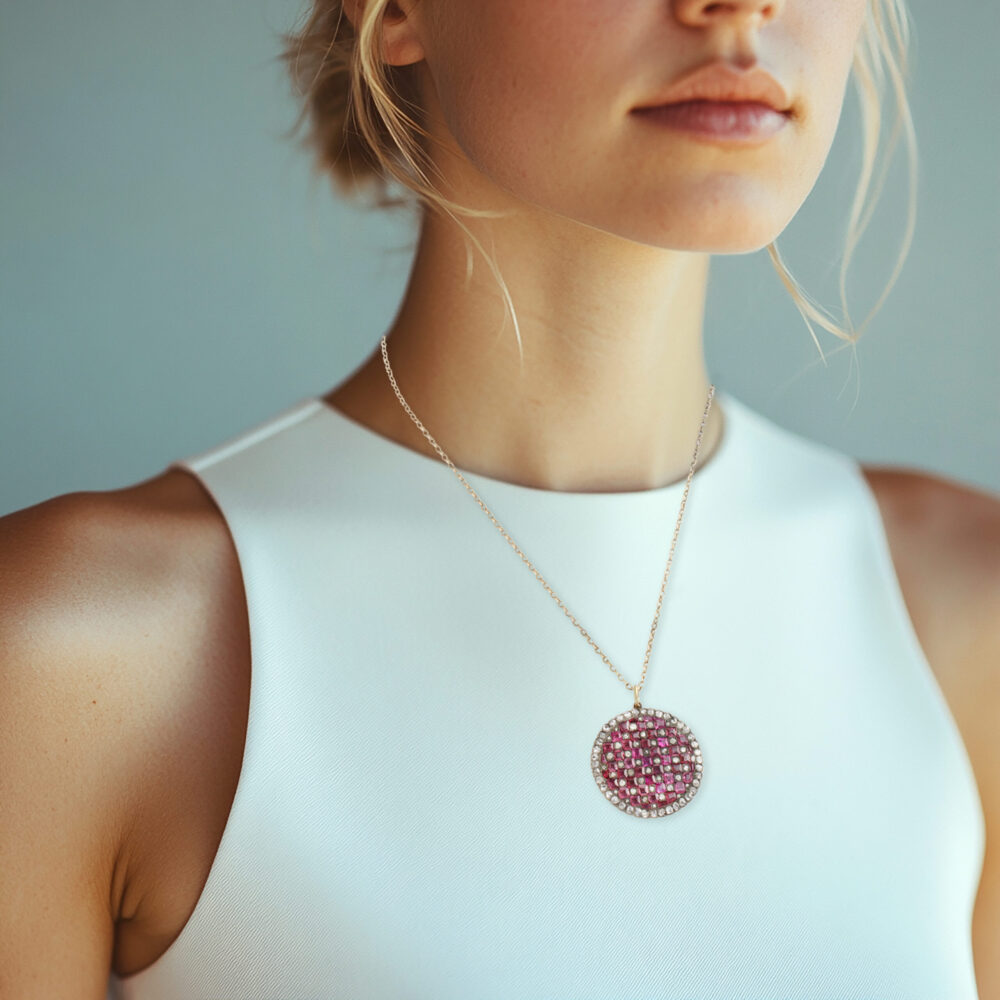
[(417, 817)]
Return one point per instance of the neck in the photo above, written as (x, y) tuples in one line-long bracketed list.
[(613, 385)]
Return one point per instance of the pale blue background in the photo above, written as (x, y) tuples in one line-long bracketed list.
[(169, 276)]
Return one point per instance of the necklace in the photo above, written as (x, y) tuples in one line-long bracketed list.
[(645, 761)]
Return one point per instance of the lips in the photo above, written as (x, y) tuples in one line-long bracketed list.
[(720, 82), (740, 121)]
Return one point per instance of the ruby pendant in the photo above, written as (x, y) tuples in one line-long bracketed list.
[(647, 762)]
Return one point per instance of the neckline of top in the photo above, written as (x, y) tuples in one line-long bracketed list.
[(711, 468)]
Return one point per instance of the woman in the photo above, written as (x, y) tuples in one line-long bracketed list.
[(427, 785)]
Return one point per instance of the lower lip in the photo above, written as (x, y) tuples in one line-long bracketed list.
[(738, 121)]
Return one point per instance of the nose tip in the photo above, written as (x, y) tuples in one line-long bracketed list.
[(705, 13)]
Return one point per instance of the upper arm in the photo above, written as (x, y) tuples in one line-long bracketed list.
[(66, 763), (981, 731), (60, 824), (123, 647), (946, 542)]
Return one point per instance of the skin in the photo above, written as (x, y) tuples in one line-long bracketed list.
[(611, 225), (124, 642)]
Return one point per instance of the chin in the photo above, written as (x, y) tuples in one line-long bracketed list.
[(725, 234), (730, 226)]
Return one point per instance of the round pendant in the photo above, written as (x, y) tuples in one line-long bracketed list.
[(647, 762)]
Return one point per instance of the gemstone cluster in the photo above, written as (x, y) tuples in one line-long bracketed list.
[(647, 762)]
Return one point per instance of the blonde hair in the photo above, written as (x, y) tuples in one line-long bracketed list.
[(366, 129)]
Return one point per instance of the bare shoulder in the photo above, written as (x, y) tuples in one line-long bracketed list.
[(945, 543), (934, 491), (955, 512), (124, 653), (945, 540)]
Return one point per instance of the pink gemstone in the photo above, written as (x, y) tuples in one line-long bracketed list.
[(645, 753)]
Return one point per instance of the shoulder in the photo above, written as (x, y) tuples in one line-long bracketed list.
[(945, 536), (111, 571), (939, 500), (106, 645)]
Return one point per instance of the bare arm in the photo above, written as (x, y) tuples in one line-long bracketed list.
[(946, 545), (63, 780), (124, 649)]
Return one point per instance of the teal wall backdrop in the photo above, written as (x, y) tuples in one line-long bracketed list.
[(170, 274)]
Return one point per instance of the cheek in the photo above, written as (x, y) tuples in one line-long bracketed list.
[(522, 85), (825, 41)]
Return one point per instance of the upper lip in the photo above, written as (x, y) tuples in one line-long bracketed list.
[(719, 81)]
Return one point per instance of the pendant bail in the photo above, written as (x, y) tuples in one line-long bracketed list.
[(635, 689)]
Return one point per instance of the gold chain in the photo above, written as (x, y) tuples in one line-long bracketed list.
[(635, 688)]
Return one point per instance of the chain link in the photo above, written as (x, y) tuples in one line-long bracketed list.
[(635, 688)]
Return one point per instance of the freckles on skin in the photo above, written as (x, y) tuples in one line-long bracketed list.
[(522, 84)]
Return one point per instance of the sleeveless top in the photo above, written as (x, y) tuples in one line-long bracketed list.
[(416, 815)]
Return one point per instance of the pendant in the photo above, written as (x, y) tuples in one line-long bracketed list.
[(647, 762)]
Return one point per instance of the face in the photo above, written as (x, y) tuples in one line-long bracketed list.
[(535, 103)]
